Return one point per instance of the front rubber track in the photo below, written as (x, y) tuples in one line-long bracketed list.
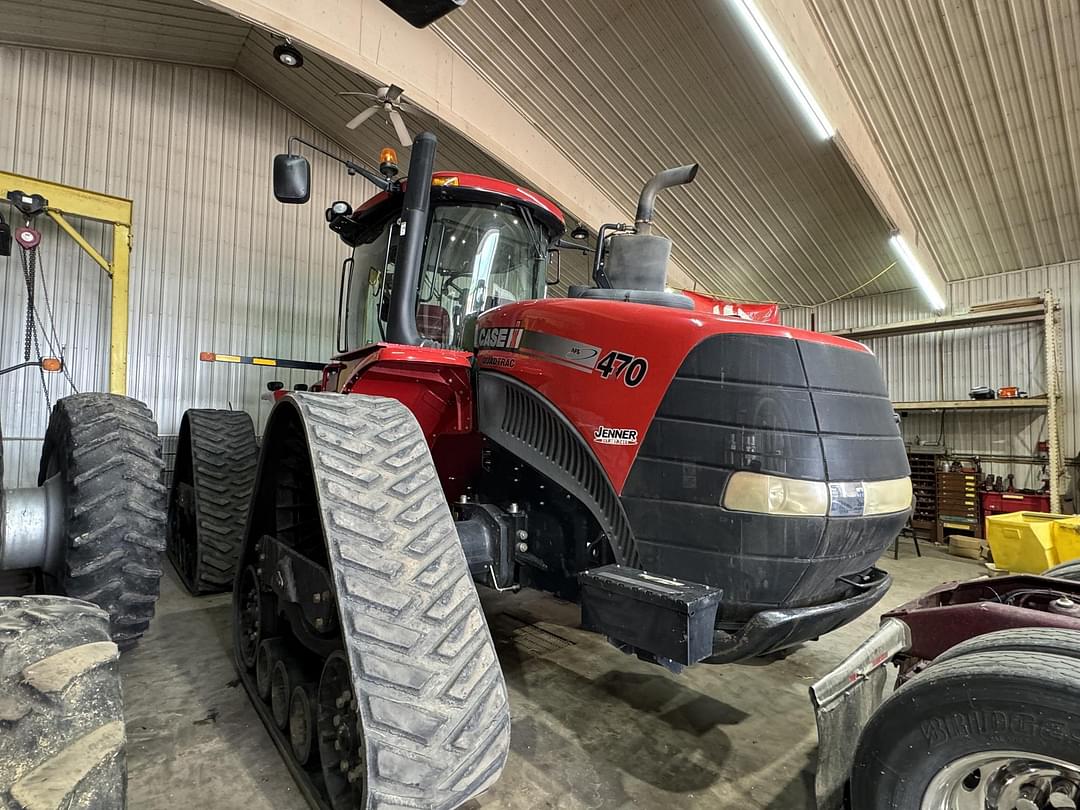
[(106, 449), (217, 456), (433, 701), (62, 740)]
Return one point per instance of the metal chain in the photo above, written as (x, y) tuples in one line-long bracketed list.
[(29, 266)]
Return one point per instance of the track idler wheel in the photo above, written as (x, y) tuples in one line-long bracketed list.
[(341, 737), (268, 654), (252, 618), (302, 724), (285, 676)]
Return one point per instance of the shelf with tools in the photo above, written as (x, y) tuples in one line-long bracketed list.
[(1042, 310), (1019, 403)]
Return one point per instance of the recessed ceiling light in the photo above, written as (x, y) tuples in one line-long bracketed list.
[(288, 56)]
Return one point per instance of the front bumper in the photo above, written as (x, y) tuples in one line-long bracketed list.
[(772, 630)]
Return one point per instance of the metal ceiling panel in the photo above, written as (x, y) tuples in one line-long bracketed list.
[(976, 108), (164, 30), (627, 88)]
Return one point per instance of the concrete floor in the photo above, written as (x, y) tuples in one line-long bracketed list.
[(592, 728)]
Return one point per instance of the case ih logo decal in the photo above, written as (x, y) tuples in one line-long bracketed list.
[(630, 369), (607, 435), (499, 337)]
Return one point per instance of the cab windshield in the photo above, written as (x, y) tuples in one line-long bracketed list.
[(476, 256)]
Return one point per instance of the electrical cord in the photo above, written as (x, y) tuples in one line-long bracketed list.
[(791, 305)]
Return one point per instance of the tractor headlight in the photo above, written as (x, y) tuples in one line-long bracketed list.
[(777, 495), (774, 495)]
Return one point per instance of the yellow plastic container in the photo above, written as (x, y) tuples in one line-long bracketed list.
[(1066, 535), (1023, 542)]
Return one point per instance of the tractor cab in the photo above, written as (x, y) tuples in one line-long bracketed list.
[(428, 258), (487, 243)]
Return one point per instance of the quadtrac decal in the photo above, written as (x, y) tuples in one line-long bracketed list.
[(613, 365), (609, 435)]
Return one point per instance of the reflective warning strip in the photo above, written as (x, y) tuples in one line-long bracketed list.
[(277, 362)]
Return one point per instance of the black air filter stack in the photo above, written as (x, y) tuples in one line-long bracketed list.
[(638, 261)]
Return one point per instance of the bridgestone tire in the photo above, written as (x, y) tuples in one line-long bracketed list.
[(1067, 570), (62, 739), (433, 703), (107, 451), (1052, 640), (216, 457), (1027, 702)]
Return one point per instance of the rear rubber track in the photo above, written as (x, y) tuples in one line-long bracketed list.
[(62, 739), (224, 457), (433, 701), (107, 451)]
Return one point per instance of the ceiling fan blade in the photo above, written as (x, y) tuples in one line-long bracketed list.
[(362, 117), (406, 106), (400, 128)]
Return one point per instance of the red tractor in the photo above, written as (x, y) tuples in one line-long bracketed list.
[(710, 488)]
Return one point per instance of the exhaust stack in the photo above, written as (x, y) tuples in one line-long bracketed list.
[(638, 261), (401, 326)]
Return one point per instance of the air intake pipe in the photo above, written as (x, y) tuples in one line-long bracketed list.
[(639, 261), (401, 324)]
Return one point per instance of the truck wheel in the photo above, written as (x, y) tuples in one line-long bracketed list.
[(60, 710), (991, 730), (1052, 640), (216, 456), (1067, 570), (106, 453)]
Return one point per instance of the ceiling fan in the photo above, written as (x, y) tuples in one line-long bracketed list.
[(390, 101)]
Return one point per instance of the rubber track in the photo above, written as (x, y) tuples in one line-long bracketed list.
[(62, 739), (433, 699), (109, 454), (224, 457)]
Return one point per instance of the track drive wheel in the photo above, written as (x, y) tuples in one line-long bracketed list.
[(216, 456), (103, 452), (63, 738), (411, 707), (990, 729)]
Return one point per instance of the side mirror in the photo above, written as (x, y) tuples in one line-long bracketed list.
[(292, 179)]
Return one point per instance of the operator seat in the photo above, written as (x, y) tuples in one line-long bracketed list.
[(433, 323)]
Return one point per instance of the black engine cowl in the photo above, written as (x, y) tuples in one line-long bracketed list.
[(804, 410)]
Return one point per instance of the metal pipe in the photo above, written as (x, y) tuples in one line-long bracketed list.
[(681, 175), (401, 325)]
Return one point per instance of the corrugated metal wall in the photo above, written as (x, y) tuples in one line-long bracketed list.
[(946, 365), (217, 264)]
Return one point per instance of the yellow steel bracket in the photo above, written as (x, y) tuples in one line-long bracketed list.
[(114, 211)]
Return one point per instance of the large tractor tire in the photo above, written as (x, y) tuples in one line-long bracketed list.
[(990, 729), (62, 740), (105, 452), (409, 702), (216, 456)]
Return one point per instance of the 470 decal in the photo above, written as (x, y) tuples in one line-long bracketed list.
[(629, 368)]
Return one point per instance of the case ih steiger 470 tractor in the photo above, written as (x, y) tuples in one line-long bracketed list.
[(710, 488)]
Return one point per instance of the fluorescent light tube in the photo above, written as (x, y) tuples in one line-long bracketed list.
[(769, 45), (907, 258)]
